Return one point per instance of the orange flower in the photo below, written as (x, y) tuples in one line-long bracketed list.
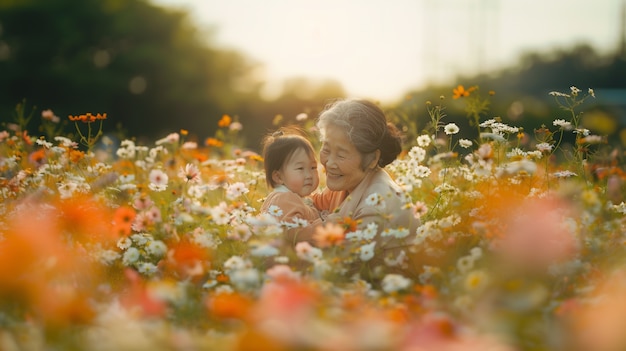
[(76, 155), (227, 305), (87, 118), (187, 259), (460, 91), (38, 157), (123, 219), (329, 235), (349, 224), (225, 121), (85, 219), (213, 142), (41, 273)]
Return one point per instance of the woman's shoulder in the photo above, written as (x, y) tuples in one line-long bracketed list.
[(382, 182)]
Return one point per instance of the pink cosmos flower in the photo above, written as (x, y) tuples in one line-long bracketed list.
[(190, 173)]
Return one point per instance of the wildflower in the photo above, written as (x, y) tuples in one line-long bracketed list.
[(544, 147), (67, 189), (493, 136), (123, 219), (564, 174), (147, 268), (130, 256), (591, 139), (392, 283), (171, 138), (460, 91), (156, 248), (219, 214), (349, 224), (421, 171), (417, 153), (449, 221), (575, 90), (366, 252), (229, 305), (562, 124), (370, 231), (465, 263), (306, 252), (142, 202), (213, 142), (124, 243), (556, 93), (88, 118), (419, 209), (264, 251), (224, 121), (38, 157), (235, 190), (42, 142), (375, 200), (141, 222), (48, 115), (205, 239), (235, 127), (158, 180), (235, 263), (187, 258), (476, 252), (127, 149), (189, 145), (585, 132), (275, 211), (4, 135), (423, 140), (451, 128), (302, 117), (592, 93), (397, 233), (190, 173), (396, 261), (329, 235), (476, 280), (464, 143)]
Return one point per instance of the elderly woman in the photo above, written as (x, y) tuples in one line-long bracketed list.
[(357, 142)]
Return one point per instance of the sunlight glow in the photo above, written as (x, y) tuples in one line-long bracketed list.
[(381, 49)]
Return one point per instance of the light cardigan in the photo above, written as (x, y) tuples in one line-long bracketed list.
[(340, 204), (291, 204)]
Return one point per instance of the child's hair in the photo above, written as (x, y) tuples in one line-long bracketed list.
[(278, 148)]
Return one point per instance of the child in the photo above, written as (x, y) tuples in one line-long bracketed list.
[(291, 171)]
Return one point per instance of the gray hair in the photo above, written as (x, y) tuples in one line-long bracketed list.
[(367, 128)]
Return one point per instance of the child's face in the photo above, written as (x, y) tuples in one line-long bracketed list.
[(298, 173)]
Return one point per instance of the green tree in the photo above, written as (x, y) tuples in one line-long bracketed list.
[(148, 68)]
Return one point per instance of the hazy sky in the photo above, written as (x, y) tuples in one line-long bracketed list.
[(381, 48)]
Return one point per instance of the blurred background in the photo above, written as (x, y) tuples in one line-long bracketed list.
[(159, 66)]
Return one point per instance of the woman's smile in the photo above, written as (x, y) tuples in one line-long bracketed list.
[(341, 160)]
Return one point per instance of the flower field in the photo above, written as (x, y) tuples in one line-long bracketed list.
[(161, 246)]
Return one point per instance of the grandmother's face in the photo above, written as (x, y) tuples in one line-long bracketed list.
[(341, 160)]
